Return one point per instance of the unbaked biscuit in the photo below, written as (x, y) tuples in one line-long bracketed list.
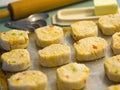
[(55, 55), (72, 76), (28, 80), (109, 24), (114, 87), (48, 35), (15, 60), (112, 68), (14, 39), (90, 48), (116, 43), (83, 29)]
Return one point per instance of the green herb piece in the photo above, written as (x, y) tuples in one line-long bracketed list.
[(13, 33), (74, 69), (13, 61), (116, 71), (74, 35), (75, 59), (21, 34)]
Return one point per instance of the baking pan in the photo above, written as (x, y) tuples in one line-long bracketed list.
[(97, 79)]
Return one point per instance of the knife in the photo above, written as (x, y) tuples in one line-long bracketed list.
[(30, 24)]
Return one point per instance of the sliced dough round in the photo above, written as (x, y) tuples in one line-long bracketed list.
[(15, 60), (14, 39), (116, 43), (83, 29), (55, 55), (28, 80), (90, 48), (109, 24), (49, 35), (114, 87), (112, 68), (72, 76)]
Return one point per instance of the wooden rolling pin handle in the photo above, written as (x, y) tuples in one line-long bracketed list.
[(24, 8), (4, 13)]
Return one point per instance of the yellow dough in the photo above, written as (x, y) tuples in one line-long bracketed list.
[(90, 48), (16, 60), (14, 39), (55, 55), (72, 76), (109, 24), (116, 43), (48, 35), (114, 87), (83, 29), (28, 80), (112, 68)]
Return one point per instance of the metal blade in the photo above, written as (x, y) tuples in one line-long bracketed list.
[(31, 23), (18, 24)]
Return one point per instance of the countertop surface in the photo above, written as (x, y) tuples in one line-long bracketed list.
[(87, 3), (97, 79)]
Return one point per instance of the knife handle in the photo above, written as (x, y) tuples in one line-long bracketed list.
[(4, 13)]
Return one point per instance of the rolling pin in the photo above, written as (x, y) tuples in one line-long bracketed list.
[(23, 8)]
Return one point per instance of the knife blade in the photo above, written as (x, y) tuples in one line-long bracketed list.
[(30, 24)]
